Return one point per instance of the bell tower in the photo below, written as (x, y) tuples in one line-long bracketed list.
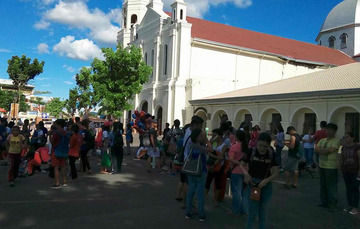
[(132, 13), (179, 11)]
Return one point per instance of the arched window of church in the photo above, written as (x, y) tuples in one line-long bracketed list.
[(133, 19), (165, 59), (344, 38), (152, 61), (181, 14), (174, 15), (146, 60), (332, 42)]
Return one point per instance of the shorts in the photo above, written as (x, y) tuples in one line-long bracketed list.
[(153, 153), (291, 164), (184, 178), (58, 162)]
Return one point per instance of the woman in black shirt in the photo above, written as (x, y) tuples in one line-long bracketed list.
[(262, 170)]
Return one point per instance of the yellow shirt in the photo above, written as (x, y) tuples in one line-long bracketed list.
[(329, 161), (15, 144)]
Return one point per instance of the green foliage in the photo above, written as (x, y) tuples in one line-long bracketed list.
[(21, 70), (113, 82), (7, 97), (38, 101), (55, 107), (70, 104)]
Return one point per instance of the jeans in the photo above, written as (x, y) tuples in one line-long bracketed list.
[(196, 185), (117, 153), (278, 154), (328, 186), (15, 160), (352, 189), (309, 156), (239, 198), (258, 208), (73, 167)]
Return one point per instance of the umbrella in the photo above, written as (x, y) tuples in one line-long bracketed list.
[(2, 110)]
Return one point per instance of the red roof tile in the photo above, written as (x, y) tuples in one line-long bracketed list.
[(294, 49)]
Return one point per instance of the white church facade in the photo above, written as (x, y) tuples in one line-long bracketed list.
[(193, 58)]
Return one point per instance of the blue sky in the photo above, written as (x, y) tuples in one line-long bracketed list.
[(68, 34)]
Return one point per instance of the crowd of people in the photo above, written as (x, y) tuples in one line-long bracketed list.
[(246, 158)]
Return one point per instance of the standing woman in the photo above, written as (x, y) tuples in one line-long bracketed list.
[(216, 164), (349, 162), (263, 169), (129, 138), (15, 143), (197, 183), (106, 141), (74, 150), (236, 154), (279, 144), (255, 131), (117, 151), (84, 125)]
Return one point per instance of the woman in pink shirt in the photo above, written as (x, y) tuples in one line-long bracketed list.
[(236, 153)]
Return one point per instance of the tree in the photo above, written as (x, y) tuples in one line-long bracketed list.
[(55, 107), (70, 104), (38, 101), (85, 94), (7, 97), (118, 78), (21, 71)]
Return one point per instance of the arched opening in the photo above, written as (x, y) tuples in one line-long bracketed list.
[(243, 116), (144, 107), (269, 120), (181, 14), (159, 115), (202, 114), (219, 117), (174, 15), (165, 59), (152, 61), (348, 120), (332, 42), (343, 39), (303, 119), (133, 19)]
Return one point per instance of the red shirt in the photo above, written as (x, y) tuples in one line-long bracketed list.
[(320, 134), (75, 144), (44, 153)]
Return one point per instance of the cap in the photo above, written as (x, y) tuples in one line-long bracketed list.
[(290, 128)]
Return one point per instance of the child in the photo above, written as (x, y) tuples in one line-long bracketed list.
[(15, 143), (309, 147)]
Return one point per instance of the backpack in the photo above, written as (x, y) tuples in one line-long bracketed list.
[(62, 149), (179, 157), (301, 150), (118, 140), (90, 140)]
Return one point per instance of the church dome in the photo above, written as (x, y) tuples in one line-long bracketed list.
[(345, 13)]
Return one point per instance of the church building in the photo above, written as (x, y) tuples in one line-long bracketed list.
[(194, 58)]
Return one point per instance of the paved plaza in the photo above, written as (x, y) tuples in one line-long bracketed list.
[(137, 199)]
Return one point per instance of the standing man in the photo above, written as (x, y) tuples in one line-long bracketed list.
[(327, 149), (319, 134)]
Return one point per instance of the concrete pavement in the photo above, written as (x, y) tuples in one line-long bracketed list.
[(137, 199)]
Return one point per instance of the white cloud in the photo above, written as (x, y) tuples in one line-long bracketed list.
[(41, 25), (5, 50), (68, 82), (76, 14), (45, 85), (198, 8), (69, 68), (43, 48), (83, 49), (42, 78)]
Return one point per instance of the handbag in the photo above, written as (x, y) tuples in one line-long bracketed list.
[(192, 166)]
